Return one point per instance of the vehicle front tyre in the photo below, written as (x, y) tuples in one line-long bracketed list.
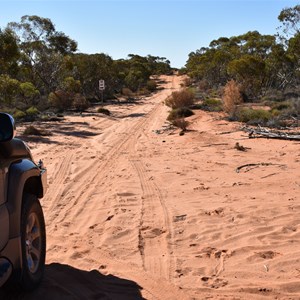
[(33, 242)]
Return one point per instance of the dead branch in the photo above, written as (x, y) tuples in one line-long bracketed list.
[(219, 144), (261, 132), (256, 165)]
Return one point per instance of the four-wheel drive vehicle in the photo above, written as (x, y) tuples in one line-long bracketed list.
[(22, 225)]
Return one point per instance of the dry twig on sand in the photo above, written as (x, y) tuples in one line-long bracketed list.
[(261, 132), (256, 165)]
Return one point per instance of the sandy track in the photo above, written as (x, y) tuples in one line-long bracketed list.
[(135, 211), (101, 210)]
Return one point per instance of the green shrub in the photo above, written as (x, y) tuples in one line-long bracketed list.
[(274, 96), (212, 105), (32, 111), (178, 99), (281, 105), (253, 116), (103, 111), (18, 114), (151, 85), (295, 104), (179, 113)]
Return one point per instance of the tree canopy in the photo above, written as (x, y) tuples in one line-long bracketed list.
[(257, 62), (40, 66)]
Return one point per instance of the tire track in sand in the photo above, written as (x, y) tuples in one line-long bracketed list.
[(155, 230)]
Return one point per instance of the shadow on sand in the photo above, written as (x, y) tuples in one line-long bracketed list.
[(64, 282)]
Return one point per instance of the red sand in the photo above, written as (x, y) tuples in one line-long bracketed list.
[(134, 210)]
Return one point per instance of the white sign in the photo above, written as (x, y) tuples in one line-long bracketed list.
[(101, 85)]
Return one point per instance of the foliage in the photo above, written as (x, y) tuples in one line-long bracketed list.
[(70, 85), (103, 111), (9, 89), (18, 114), (253, 116), (38, 62), (231, 97), (127, 92), (180, 123), (178, 99), (290, 19), (294, 108), (151, 85), (80, 102), (32, 111), (257, 62), (28, 92), (61, 100), (212, 105), (281, 105), (179, 113), (9, 52), (32, 130)]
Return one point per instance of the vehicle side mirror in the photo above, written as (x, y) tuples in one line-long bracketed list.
[(7, 127)]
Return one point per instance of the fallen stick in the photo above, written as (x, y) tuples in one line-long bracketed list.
[(256, 165), (265, 133), (219, 144)]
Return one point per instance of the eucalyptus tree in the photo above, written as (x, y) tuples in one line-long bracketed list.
[(9, 52), (42, 50), (249, 59), (9, 90), (90, 68), (289, 36)]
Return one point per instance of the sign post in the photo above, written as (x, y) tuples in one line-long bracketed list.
[(101, 88)]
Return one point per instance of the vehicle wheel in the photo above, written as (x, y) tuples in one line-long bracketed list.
[(33, 242)]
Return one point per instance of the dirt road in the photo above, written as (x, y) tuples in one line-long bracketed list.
[(135, 211)]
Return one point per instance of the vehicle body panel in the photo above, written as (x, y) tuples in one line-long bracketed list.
[(19, 174)]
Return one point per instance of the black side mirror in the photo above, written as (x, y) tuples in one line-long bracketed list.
[(7, 127)]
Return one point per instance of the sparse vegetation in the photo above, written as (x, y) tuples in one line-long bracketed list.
[(211, 105), (18, 114), (253, 116), (151, 85), (180, 123), (183, 98), (32, 130), (103, 111), (231, 97), (39, 67), (179, 113), (80, 103), (32, 111)]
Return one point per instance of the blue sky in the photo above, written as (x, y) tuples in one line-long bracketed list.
[(166, 28)]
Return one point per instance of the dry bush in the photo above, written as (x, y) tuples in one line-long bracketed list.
[(231, 97), (61, 100), (103, 111), (180, 123), (187, 81), (80, 102), (127, 92), (211, 105), (178, 99), (179, 113), (151, 85), (31, 130), (203, 85)]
